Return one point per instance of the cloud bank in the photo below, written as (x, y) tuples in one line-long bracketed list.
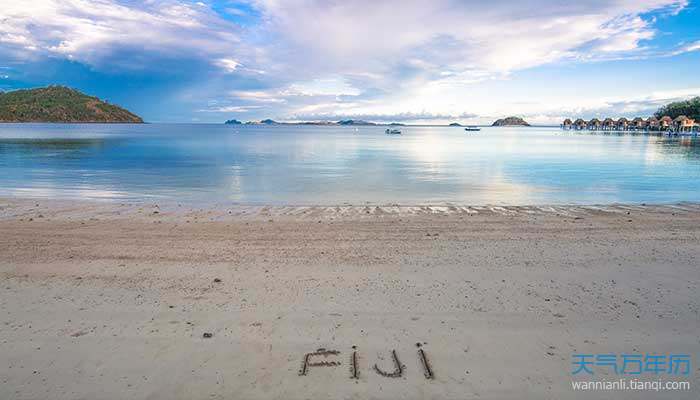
[(312, 58)]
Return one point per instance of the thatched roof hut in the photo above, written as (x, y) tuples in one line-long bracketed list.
[(580, 124), (608, 123), (652, 123), (567, 123), (622, 123), (594, 123), (639, 122), (665, 121), (682, 121)]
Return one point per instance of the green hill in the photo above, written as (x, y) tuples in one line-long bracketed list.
[(59, 104), (510, 121)]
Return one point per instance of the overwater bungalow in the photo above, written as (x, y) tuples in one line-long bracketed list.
[(652, 124), (639, 123), (665, 123), (683, 124), (608, 124), (594, 124), (622, 124)]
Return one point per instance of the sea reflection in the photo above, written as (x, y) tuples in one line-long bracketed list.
[(337, 165)]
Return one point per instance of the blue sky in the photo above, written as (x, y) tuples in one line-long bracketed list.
[(408, 61)]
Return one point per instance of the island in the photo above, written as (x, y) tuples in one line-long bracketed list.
[(263, 122), (343, 122), (346, 122), (60, 104), (510, 121), (354, 122)]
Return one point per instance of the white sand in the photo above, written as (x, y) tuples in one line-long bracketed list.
[(110, 301)]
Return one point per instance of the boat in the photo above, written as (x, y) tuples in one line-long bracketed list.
[(392, 132), (472, 129)]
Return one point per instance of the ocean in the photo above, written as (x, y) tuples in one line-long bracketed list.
[(334, 165)]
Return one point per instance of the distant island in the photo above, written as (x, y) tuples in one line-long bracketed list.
[(354, 122), (345, 122), (60, 104), (510, 121)]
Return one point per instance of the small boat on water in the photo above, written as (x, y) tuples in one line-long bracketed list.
[(392, 132), (472, 129)]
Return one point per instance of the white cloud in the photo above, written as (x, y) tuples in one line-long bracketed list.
[(231, 109), (312, 38), (408, 116), (693, 47), (227, 64), (624, 34), (90, 31), (258, 96), (322, 87), (420, 57), (687, 48), (498, 36)]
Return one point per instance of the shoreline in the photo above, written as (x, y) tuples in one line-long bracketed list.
[(105, 301), (27, 207)]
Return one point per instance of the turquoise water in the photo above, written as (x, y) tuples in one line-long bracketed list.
[(303, 165)]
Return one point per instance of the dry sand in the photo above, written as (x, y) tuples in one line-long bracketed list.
[(111, 301)]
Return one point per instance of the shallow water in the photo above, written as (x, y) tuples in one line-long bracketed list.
[(335, 165)]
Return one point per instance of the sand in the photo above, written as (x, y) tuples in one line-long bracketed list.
[(111, 301)]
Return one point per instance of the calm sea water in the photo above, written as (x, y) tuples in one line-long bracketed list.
[(336, 165)]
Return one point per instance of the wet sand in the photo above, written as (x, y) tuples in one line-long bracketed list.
[(111, 301)]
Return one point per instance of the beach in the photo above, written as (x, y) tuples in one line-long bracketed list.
[(108, 300), (297, 200)]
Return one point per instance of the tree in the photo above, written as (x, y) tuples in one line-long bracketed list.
[(689, 108)]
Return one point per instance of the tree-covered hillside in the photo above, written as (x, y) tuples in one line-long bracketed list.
[(59, 104), (689, 108)]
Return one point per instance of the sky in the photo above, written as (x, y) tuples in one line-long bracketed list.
[(410, 61)]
